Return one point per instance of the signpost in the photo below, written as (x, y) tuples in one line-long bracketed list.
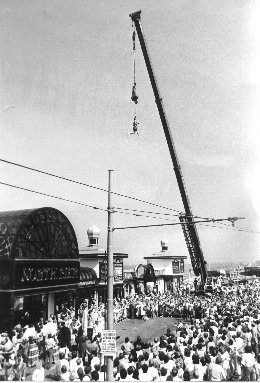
[(108, 344)]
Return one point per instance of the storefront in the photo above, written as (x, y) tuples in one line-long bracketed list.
[(93, 257), (168, 269), (88, 285), (39, 265)]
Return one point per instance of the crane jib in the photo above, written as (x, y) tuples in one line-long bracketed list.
[(189, 228)]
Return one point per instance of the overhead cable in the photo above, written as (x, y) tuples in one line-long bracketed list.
[(87, 185), (52, 196)]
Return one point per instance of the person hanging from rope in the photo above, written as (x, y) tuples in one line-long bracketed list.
[(134, 96)]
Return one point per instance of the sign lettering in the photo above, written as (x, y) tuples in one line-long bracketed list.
[(108, 344), (39, 274)]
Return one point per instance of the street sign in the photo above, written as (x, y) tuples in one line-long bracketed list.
[(108, 344)]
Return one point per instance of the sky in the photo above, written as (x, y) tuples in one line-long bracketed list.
[(65, 108)]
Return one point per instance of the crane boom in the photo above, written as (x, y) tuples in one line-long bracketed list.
[(189, 228)]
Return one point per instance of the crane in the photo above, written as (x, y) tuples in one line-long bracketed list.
[(189, 229)]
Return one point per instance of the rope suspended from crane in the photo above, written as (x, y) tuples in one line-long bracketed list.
[(134, 96)]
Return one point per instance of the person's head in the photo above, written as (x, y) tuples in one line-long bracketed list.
[(87, 369), (74, 354), (126, 339), (196, 373), (174, 372), (195, 359), (218, 360), (130, 370), (97, 367), (136, 374), (94, 376), (186, 376), (80, 373), (161, 356), (207, 359), (163, 371), (73, 376), (140, 358), (146, 356), (144, 368), (61, 355), (187, 352), (248, 349), (63, 369), (166, 359), (123, 373)]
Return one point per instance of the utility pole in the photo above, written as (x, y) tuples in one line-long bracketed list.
[(110, 272)]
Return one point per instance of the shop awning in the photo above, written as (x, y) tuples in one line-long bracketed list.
[(88, 276)]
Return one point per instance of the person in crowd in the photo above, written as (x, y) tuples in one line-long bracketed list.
[(33, 352), (64, 336), (38, 373)]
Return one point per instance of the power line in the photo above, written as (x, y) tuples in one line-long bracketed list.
[(84, 184), (227, 227), (149, 212), (139, 215), (74, 202), (52, 196), (105, 190), (171, 224), (99, 188)]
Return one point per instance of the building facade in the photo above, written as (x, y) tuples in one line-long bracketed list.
[(168, 269), (93, 270), (39, 262)]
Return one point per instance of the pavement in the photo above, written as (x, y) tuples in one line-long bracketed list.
[(148, 330)]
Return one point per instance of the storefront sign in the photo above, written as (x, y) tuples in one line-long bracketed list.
[(40, 273), (159, 272), (87, 283), (118, 271), (175, 267), (108, 344)]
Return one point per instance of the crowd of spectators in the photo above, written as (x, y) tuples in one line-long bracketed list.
[(216, 338)]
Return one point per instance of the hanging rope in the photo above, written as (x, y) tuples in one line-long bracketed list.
[(134, 97)]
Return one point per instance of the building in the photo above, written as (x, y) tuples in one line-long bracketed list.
[(39, 265), (168, 269), (252, 269), (93, 270)]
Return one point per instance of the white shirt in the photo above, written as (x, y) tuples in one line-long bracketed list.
[(38, 375)]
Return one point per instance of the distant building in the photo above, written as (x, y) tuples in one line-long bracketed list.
[(168, 269), (252, 269)]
